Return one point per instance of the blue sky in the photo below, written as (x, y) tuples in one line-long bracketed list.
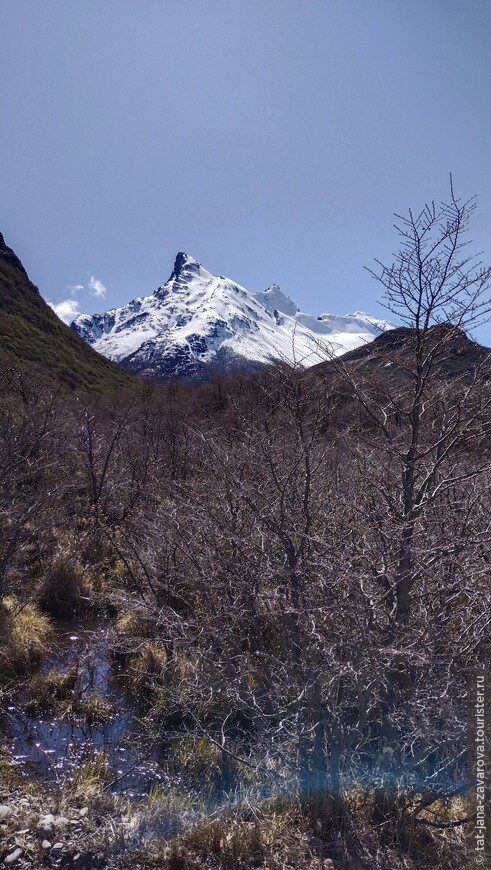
[(271, 139)]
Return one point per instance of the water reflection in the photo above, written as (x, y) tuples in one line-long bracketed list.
[(55, 748)]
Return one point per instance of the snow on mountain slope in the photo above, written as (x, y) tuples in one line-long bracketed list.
[(197, 322)]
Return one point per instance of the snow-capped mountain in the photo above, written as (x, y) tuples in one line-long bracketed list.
[(197, 323)]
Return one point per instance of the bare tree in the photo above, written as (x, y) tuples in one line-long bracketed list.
[(432, 278), (425, 414), (30, 481)]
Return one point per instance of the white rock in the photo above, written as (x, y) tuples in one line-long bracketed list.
[(61, 821), (83, 811), (57, 847), (13, 857), (46, 844), (5, 811), (45, 827)]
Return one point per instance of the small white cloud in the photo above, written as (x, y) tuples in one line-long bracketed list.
[(97, 288), (67, 310), (75, 288)]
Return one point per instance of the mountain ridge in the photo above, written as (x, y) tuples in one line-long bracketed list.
[(196, 323), (450, 355), (31, 334)]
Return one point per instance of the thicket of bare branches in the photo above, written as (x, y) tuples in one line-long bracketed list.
[(310, 550)]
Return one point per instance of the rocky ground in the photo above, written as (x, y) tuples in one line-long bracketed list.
[(46, 830), (41, 828)]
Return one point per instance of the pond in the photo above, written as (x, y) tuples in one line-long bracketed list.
[(59, 748)]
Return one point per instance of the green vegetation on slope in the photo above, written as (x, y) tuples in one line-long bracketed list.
[(32, 334)]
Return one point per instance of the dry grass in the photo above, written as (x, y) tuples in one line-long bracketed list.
[(92, 775), (166, 832), (134, 624), (9, 777), (94, 709), (51, 692), (65, 591), (145, 674), (55, 692), (24, 636), (275, 838), (280, 835), (132, 629)]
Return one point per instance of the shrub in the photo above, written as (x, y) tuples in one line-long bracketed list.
[(64, 592)]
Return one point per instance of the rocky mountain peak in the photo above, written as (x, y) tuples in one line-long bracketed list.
[(274, 300), (8, 256), (185, 263), (198, 322), (186, 270)]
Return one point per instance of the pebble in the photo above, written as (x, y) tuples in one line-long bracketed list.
[(57, 847), (46, 844), (13, 857), (45, 827), (5, 811), (61, 821), (83, 811)]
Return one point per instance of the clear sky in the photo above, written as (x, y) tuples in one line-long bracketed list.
[(271, 139)]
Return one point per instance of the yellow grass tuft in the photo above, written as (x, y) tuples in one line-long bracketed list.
[(24, 636)]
